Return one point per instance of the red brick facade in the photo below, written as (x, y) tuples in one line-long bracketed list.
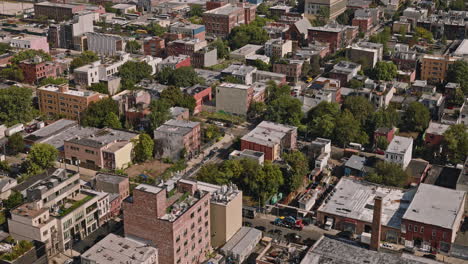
[(363, 23), (184, 240), (268, 151), (34, 72), (418, 232), (154, 47)]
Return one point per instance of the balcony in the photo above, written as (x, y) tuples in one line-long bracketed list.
[(71, 204)]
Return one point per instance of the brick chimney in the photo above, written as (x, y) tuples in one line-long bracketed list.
[(376, 224)]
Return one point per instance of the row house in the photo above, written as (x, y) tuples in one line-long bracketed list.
[(178, 139), (37, 69), (291, 68), (220, 21), (338, 36)]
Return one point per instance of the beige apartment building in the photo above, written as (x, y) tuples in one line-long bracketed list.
[(60, 100), (105, 148), (434, 68), (312, 8), (225, 210)]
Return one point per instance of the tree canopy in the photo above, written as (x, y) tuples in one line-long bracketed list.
[(43, 155), (175, 97), (15, 143), (247, 34), (222, 48), (144, 148), (159, 113), (52, 80), (455, 143), (97, 113), (458, 73), (16, 105), (84, 58), (416, 117), (181, 77), (385, 71), (99, 87), (359, 106), (387, 173), (133, 47), (260, 182), (30, 54), (297, 169), (133, 72), (4, 48)]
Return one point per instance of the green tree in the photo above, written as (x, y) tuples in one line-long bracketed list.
[(210, 133), (390, 174), (159, 113), (256, 110), (416, 117), (323, 126), (15, 143), (423, 33), (84, 58), (402, 32), (52, 80), (385, 71), (231, 79), (181, 77), (16, 105), (458, 5), (247, 34), (133, 72), (133, 47), (112, 120), (381, 143), (99, 87), (346, 17), (97, 112), (12, 72), (43, 155), (144, 148), (285, 110), (176, 97), (275, 91), (260, 65), (458, 73), (195, 10), (355, 84), (13, 200), (360, 107), (30, 54), (298, 168), (210, 173), (455, 143), (4, 48), (222, 48), (348, 129), (155, 29), (263, 9)]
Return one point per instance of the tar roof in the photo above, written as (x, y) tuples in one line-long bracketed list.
[(268, 133), (437, 128), (434, 205), (111, 178), (355, 200), (356, 162), (324, 251)]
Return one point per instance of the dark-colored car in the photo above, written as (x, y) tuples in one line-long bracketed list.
[(430, 256), (261, 228)]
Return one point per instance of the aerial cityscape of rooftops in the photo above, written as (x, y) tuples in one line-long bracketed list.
[(233, 131)]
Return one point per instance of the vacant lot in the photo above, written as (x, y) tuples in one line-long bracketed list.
[(152, 169)]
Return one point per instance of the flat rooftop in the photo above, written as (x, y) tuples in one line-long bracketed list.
[(268, 133), (220, 194), (56, 5), (434, 205), (355, 200), (79, 93), (399, 145), (102, 137), (462, 49), (247, 49), (148, 188), (223, 10), (234, 86), (328, 250), (116, 249), (437, 128)]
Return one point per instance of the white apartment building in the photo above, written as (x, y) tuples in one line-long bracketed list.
[(400, 151), (87, 74), (314, 7), (278, 47)]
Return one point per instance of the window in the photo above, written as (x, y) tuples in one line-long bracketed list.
[(409, 227), (192, 214), (422, 229), (415, 228), (178, 238), (444, 235)]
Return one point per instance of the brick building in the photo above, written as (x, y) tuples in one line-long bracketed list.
[(175, 221), (111, 183), (433, 218), (271, 139), (36, 69), (364, 23), (154, 46), (201, 94), (291, 68), (349, 210), (338, 36), (59, 100), (385, 132), (234, 98), (220, 21), (56, 11), (185, 46)]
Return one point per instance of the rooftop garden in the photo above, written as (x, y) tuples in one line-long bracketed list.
[(75, 204), (17, 250)]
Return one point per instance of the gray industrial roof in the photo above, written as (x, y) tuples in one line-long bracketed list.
[(115, 249), (335, 251), (399, 145), (435, 205), (355, 200), (241, 241), (356, 162)]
